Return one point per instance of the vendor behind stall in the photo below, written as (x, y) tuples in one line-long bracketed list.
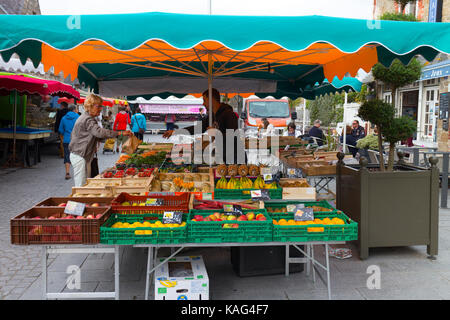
[(223, 118)]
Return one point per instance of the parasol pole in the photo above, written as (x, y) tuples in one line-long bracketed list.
[(14, 124), (210, 88)]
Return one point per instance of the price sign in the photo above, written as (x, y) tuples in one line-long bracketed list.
[(75, 208), (303, 214), (232, 209), (172, 217), (154, 202), (260, 194)]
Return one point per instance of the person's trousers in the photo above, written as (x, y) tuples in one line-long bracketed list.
[(81, 169), (61, 146)]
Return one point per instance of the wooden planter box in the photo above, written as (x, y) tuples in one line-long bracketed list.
[(318, 168), (392, 209)]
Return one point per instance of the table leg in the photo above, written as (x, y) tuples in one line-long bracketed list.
[(44, 272), (313, 266), (117, 272), (286, 272), (147, 273), (308, 264), (328, 271)]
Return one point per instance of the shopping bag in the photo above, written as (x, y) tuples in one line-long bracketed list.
[(94, 167), (131, 145)]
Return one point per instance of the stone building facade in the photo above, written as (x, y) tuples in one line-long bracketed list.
[(421, 100), (20, 7)]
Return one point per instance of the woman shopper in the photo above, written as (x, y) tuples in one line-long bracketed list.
[(65, 129), (85, 137), (120, 125), (138, 124)]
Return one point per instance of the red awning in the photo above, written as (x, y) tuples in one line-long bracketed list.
[(30, 85)]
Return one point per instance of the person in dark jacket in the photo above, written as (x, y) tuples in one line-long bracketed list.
[(224, 118), (357, 131), (315, 131), (350, 140), (60, 113), (65, 130)]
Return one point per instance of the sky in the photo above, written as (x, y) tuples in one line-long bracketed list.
[(359, 9)]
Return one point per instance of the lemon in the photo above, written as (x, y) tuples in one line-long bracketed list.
[(147, 231), (142, 204), (146, 224)]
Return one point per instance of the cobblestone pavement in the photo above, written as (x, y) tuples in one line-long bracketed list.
[(20, 189)]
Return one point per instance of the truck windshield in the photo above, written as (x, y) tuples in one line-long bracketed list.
[(269, 109)]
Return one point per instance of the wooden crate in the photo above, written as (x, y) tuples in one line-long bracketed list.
[(91, 192), (297, 193), (117, 182), (157, 147), (319, 169), (266, 142)]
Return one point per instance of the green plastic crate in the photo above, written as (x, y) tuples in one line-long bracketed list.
[(213, 231), (283, 204), (244, 194), (126, 236), (345, 232)]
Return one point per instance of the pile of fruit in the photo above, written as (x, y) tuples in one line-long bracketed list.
[(130, 172), (218, 217), (284, 209), (316, 221), (181, 182), (146, 224), (58, 233), (145, 160), (243, 182)]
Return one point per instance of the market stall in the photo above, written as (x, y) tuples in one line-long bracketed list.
[(29, 137), (148, 55)]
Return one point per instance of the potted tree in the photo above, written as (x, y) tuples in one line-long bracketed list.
[(394, 206)]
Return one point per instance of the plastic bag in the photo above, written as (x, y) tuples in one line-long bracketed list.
[(131, 144)]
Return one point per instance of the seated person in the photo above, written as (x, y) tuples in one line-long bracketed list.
[(316, 132), (350, 140)]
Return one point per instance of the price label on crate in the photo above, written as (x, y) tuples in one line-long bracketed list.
[(260, 194), (303, 214), (172, 217), (232, 209), (154, 202), (292, 207), (75, 208)]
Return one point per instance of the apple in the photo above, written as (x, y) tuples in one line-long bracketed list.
[(98, 216), (193, 220), (62, 204), (231, 218), (242, 218), (90, 217), (217, 215), (213, 217), (235, 225), (79, 217), (260, 217), (207, 219), (250, 216), (198, 217)]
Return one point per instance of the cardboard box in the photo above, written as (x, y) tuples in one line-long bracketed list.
[(297, 193), (182, 278)]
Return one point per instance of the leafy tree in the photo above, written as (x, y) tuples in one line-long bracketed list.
[(379, 113), (294, 103), (326, 108), (392, 129), (398, 74)]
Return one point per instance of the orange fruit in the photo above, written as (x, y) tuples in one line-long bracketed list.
[(337, 221), (275, 222), (282, 222), (291, 222), (326, 221), (309, 222)]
